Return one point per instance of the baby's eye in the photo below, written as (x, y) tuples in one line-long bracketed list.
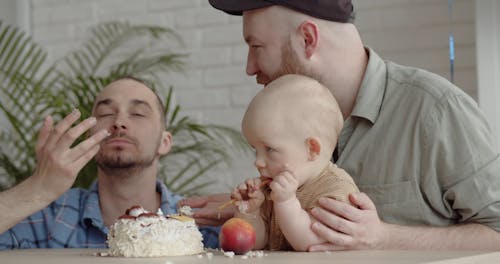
[(138, 114), (269, 149), (104, 115)]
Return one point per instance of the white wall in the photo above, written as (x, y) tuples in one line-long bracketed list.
[(14, 12), (488, 61), (215, 88), (415, 32)]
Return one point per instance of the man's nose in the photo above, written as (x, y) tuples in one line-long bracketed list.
[(252, 67), (119, 124)]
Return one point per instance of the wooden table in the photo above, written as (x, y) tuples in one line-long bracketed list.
[(91, 256)]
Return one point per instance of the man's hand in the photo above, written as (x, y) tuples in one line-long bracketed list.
[(346, 227), (57, 163), (206, 208), (57, 167)]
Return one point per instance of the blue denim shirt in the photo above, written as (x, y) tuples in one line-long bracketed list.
[(75, 221)]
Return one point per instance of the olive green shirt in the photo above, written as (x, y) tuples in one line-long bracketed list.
[(421, 149)]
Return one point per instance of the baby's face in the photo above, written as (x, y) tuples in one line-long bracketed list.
[(276, 148)]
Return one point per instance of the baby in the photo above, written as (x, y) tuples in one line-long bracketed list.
[(293, 125)]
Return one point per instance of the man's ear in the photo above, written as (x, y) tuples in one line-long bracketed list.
[(313, 148), (165, 143), (309, 32)]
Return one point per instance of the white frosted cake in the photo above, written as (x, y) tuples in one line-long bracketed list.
[(139, 233)]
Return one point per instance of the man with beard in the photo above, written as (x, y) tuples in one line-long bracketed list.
[(417, 146), (127, 136)]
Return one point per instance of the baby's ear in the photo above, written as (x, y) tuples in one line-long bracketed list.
[(313, 148)]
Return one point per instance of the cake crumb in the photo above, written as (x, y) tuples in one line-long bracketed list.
[(242, 207), (229, 254), (255, 254), (186, 210), (102, 254)]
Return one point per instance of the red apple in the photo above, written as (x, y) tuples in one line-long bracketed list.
[(237, 235)]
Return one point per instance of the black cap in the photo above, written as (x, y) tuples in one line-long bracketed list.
[(333, 10)]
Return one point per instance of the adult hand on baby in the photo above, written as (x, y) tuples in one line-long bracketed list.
[(347, 227), (250, 193), (283, 187)]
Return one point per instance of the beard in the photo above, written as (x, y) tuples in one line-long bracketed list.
[(121, 163), (290, 64)]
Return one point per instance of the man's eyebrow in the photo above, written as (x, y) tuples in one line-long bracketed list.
[(102, 102), (137, 102), (134, 102)]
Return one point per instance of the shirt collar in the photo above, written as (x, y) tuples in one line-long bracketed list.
[(92, 211), (371, 92)]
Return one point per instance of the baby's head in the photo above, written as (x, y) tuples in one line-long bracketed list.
[(292, 123)]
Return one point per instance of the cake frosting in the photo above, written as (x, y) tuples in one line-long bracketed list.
[(139, 233)]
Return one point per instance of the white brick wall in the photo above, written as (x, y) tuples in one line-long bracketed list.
[(215, 89), (415, 32)]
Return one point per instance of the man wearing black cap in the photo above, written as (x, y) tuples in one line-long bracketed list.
[(418, 147)]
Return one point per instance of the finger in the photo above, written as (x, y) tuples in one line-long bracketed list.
[(333, 221), (218, 197), (44, 133), (274, 185), (249, 184), (210, 222), (193, 202), (289, 179), (236, 195), (325, 247), (85, 158), (242, 186), (73, 133), (286, 167), (276, 180), (61, 128), (339, 208), (241, 191), (362, 201), (257, 194), (255, 184), (286, 174), (331, 235), (206, 213), (83, 147), (250, 181)]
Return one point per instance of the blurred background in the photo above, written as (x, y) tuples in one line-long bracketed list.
[(214, 88)]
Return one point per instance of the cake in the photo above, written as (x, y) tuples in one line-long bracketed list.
[(139, 233)]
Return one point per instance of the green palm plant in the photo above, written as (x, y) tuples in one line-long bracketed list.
[(31, 89)]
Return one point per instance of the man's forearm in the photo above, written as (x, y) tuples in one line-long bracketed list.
[(20, 202), (457, 237)]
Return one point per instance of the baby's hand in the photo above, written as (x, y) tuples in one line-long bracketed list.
[(249, 193), (283, 187)]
